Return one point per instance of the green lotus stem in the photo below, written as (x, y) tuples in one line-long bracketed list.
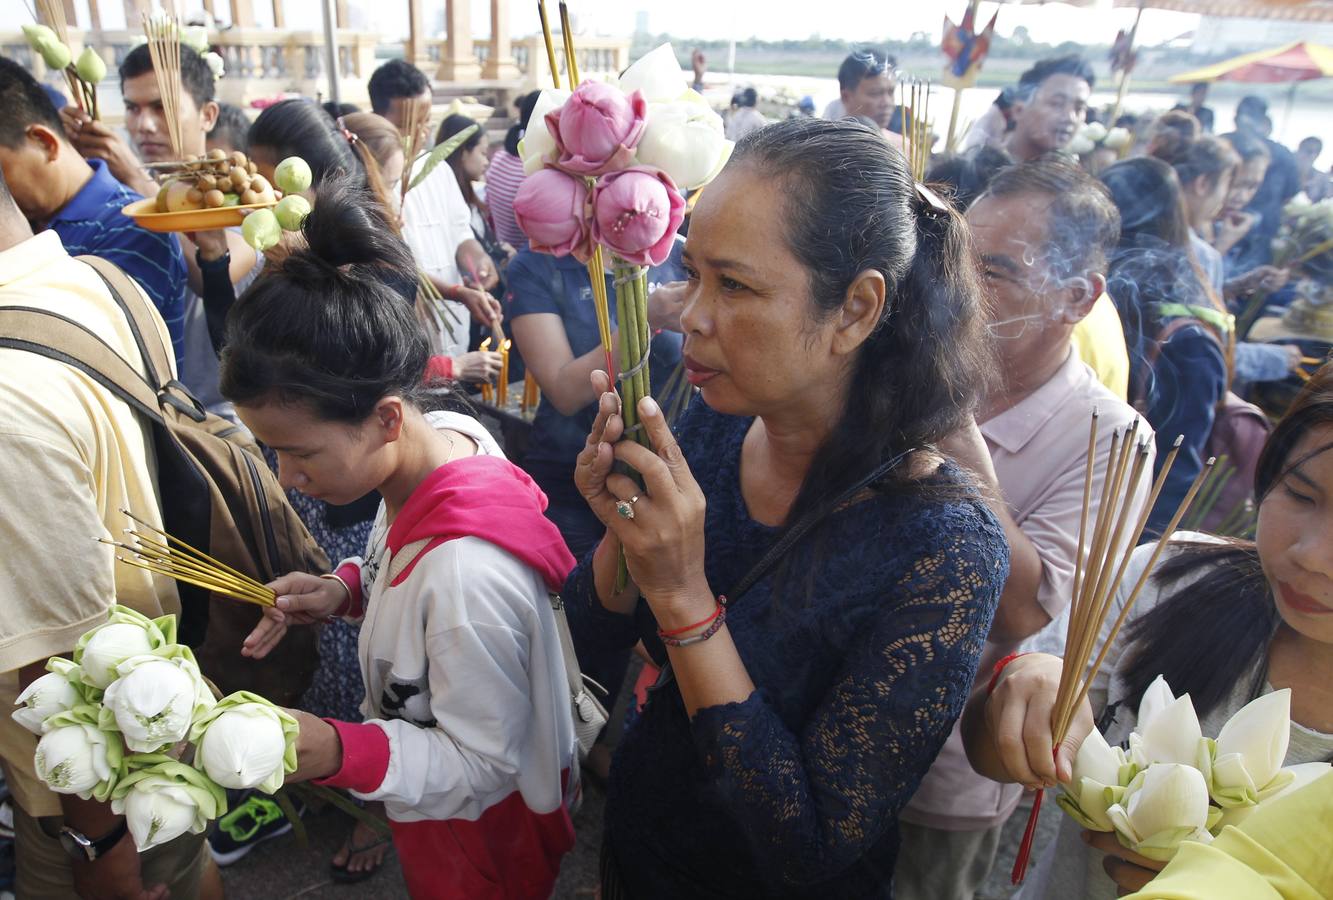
[(298, 827), (337, 800)]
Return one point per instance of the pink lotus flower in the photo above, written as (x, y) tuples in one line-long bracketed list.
[(635, 213), (598, 128), (552, 209)]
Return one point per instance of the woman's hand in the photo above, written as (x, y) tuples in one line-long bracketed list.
[(1231, 228), (477, 366), (212, 245), (663, 533), (302, 600), (1018, 718), (484, 308), (319, 750), (666, 304), (1127, 869)]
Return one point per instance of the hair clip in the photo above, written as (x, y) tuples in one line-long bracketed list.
[(931, 200), (348, 135)]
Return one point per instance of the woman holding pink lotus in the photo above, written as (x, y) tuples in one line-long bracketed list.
[(818, 579), (1226, 623)]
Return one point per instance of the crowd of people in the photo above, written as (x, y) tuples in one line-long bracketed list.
[(850, 559)]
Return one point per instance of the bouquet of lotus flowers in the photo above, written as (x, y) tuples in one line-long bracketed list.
[(606, 167), (51, 42), (1172, 784), (131, 720), (1305, 235), (1092, 135)]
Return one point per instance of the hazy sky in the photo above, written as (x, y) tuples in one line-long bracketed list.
[(770, 19)]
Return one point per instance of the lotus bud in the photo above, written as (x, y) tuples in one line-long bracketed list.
[(1095, 132), (74, 759), (109, 646), (45, 697), (636, 213), (1165, 804), (1081, 145), (162, 799), (39, 36), (155, 700), (1250, 749), (56, 56), (538, 147), (246, 742), (598, 128), (196, 38), (90, 66), (686, 140), (1172, 735), (550, 207), (1095, 784), (1293, 777), (293, 175), (1117, 139), (657, 75), (216, 64)]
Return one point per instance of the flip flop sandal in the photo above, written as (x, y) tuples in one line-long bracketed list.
[(342, 875)]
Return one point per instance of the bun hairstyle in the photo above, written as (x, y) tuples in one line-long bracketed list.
[(324, 327), (1207, 157), (919, 374), (1171, 133)]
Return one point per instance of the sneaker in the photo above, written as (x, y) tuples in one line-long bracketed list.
[(247, 825)]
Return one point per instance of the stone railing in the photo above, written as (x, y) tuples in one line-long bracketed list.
[(598, 57)]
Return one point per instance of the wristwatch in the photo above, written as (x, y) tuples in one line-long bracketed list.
[(80, 847)]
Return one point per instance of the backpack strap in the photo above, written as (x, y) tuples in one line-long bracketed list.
[(64, 340), (156, 355)]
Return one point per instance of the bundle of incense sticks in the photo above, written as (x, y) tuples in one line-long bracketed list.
[(596, 266), (166, 555), (52, 14), (413, 138), (164, 46), (918, 140), (1097, 578)]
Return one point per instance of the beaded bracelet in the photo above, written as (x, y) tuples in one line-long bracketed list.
[(719, 619)]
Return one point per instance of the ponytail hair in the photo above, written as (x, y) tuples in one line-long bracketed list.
[(853, 206), (324, 327), (376, 142)]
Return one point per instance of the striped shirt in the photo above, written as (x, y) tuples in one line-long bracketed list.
[(503, 177), (92, 223)]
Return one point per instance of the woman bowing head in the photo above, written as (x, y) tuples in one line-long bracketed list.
[(818, 577)]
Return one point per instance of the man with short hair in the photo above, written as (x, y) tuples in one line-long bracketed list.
[(72, 456), (1196, 108), (81, 200), (147, 126), (1042, 232), (867, 84), (437, 223), (1282, 181), (1050, 103), (1313, 182)]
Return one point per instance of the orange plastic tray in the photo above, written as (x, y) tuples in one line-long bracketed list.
[(145, 213)]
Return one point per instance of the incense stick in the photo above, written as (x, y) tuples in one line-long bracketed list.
[(164, 47), (550, 46), (179, 554)]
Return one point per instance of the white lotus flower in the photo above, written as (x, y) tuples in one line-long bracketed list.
[(216, 64), (1081, 145), (1156, 698), (1165, 804), (1297, 777), (1095, 784), (1094, 131), (657, 74), (686, 140), (1171, 735), (1117, 139), (164, 799), (246, 742), (1249, 751), (75, 759), (45, 697), (195, 37), (125, 633), (155, 700), (538, 146)]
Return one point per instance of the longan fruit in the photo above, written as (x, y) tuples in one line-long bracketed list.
[(259, 184), (217, 153), (238, 159), (214, 199), (249, 198)]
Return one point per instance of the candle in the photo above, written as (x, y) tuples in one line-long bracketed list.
[(486, 387), (502, 391)]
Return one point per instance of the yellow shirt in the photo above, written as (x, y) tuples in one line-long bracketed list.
[(1281, 852), (71, 457), (1100, 341)]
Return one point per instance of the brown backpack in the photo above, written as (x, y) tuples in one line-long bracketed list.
[(217, 492)]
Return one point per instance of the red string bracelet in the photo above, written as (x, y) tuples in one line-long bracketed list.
[(675, 632), (999, 667)]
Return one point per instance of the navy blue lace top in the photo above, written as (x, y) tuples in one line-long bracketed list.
[(796, 791)]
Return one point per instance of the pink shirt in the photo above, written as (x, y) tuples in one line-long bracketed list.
[(1039, 448), (503, 179)]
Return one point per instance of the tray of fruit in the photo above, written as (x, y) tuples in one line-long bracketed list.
[(205, 193)]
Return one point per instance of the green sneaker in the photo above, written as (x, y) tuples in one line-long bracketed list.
[(247, 825)]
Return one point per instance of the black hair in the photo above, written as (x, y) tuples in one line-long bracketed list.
[(1207, 635), (967, 175), (749, 97), (1313, 143), (919, 373), (1172, 132), (301, 128), (23, 103), (396, 78), (1035, 77), (1247, 146), (861, 65), (1207, 157), (526, 104), (1083, 223), (196, 76), (338, 110), (232, 129), (1252, 106), (448, 128), (1152, 264), (323, 327)]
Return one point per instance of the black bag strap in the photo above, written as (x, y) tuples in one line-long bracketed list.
[(156, 355), (802, 526), (52, 335)]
